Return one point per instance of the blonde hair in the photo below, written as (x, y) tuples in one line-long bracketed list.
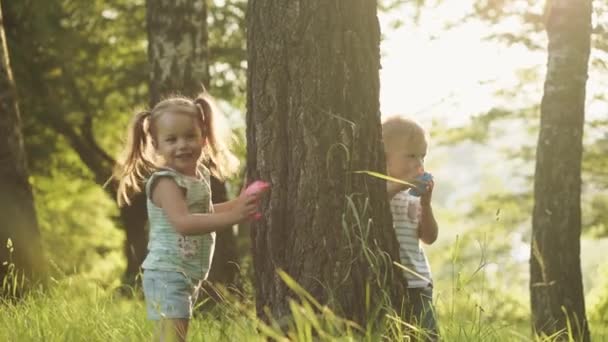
[(397, 130), (138, 162)]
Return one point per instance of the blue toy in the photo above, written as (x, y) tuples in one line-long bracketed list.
[(420, 189)]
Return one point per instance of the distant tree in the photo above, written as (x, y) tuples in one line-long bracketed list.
[(555, 270), (312, 119), (20, 248)]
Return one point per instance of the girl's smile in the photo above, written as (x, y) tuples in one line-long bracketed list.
[(179, 142)]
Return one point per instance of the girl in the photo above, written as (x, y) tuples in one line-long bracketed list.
[(167, 149)]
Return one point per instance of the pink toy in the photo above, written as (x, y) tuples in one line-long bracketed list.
[(257, 188)]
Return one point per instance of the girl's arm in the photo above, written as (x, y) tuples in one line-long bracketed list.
[(228, 205), (168, 196), (225, 206), (427, 227)]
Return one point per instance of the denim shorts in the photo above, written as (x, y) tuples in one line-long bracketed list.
[(169, 294)]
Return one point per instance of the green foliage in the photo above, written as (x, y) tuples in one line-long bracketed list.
[(81, 70), (598, 298), (595, 215), (80, 66), (227, 50), (78, 233)]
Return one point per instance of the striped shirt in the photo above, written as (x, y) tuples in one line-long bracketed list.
[(169, 250), (406, 212)]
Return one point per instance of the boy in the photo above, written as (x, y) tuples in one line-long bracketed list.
[(405, 147)]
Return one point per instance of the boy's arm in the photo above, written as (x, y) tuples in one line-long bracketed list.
[(427, 227)]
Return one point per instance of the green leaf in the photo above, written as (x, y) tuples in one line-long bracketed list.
[(385, 177)]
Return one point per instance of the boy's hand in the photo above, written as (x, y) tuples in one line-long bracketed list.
[(425, 198)]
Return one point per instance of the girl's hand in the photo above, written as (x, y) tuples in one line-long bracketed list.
[(245, 206), (425, 198), (253, 192)]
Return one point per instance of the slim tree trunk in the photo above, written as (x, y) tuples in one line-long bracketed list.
[(312, 119), (177, 47), (20, 245), (555, 272)]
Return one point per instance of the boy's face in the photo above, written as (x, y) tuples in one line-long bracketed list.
[(405, 159)]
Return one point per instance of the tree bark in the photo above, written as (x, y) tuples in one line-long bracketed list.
[(312, 119), (177, 47), (22, 256), (556, 288)]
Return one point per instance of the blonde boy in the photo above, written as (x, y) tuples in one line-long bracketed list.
[(405, 146)]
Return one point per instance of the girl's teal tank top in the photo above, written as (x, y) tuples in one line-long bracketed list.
[(169, 250)]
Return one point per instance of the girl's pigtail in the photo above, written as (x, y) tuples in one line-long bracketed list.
[(136, 164), (219, 159), (207, 116)]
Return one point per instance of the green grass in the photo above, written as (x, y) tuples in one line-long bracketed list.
[(475, 301), (478, 295), (74, 309)]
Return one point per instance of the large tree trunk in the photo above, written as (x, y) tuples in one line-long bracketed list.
[(22, 256), (312, 119), (555, 273), (179, 59)]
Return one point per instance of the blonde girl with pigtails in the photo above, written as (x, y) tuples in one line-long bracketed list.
[(165, 157)]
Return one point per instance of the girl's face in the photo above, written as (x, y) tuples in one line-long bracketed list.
[(405, 160), (179, 141)]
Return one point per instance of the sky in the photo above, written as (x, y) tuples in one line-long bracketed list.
[(428, 72)]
